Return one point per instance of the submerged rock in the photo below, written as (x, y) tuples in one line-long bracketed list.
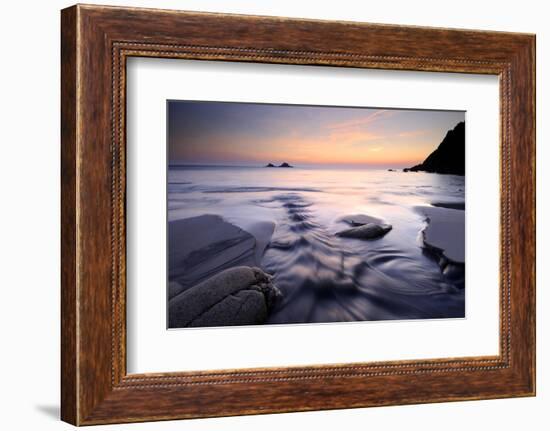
[(366, 231), (236, 296), (364, 227), (360, 219), (445, 231)]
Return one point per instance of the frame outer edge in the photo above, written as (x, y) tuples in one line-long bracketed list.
[(532, 83), (530, 290), (69, 202), (533, 53), (88, 397), (523, 217)]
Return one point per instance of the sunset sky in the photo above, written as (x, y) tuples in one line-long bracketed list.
[(256, 134)]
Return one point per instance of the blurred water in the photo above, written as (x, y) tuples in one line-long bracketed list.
[(325, 278)]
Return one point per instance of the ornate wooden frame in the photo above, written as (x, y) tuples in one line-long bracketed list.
[(95, 43)]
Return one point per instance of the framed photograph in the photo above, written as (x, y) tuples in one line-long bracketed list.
[(264, 215)]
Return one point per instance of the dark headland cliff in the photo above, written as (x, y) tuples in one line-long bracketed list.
[(449, 156)]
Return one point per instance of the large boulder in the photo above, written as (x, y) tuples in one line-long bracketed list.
[(236, 296), (174, 288), (199, 247)]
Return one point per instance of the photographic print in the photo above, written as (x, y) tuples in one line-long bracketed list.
[(297, 214)]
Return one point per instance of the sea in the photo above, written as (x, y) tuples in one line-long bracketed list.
[(323, 277)]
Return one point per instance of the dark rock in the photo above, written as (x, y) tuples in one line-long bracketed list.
[(449, 157), (174, 288), (366, 231), (236, 296), (246, 307), (199, 247), (360, 219), (262, 232), (282, 165), (450, 205), (444, 231)]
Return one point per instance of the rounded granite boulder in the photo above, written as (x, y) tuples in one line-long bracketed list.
[(236, 296)]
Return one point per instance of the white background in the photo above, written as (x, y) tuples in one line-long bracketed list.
[(151, 348), (29, 216)]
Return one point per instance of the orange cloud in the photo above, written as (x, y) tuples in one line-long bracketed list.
[(331, 151), (348, 142)]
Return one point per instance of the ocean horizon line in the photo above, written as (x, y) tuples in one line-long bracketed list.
[(293, 165)]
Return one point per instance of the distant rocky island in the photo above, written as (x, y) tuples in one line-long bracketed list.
[(282, 165), (449, 156)]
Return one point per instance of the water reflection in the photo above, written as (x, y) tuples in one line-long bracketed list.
[(325, 278)]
